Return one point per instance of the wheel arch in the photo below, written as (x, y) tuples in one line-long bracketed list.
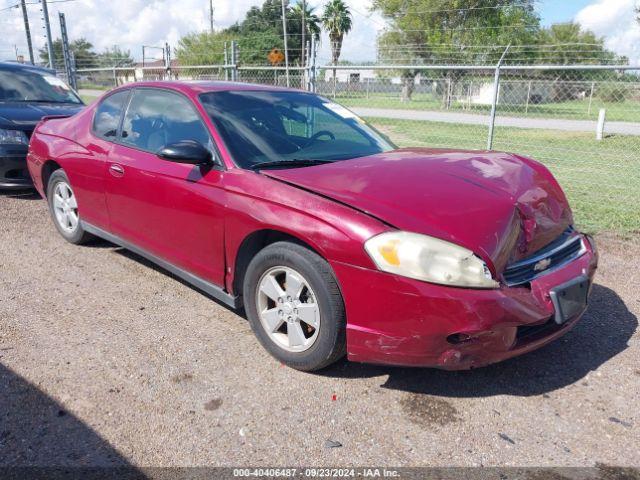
[(48, 168), (254, 243)]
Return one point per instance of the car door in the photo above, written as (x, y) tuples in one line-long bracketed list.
[(88, 166), (171, 210)]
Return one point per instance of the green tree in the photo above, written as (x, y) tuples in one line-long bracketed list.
[(568, 44), (336, 20), (453, 32), (307, 16), (203, 48), (82, 49), (262, 30), (115, 57), (257, 34)]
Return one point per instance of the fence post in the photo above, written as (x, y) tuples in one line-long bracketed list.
[(115, 77), (226, 63), (313, 71), (306, 73), (526, 108), (593, 86), (167, 61), (600, 127), (494, 104), (74, 69), (234, 61)]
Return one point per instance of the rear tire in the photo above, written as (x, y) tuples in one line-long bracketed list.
[(295, 307), (63, 207)]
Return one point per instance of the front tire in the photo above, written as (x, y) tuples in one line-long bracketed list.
[(63, 207), (295, 307)]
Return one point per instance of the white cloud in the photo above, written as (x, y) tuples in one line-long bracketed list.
[(616, 21), (360, 44), (133, 23)]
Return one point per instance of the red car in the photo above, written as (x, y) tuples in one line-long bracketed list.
[(334, 241)]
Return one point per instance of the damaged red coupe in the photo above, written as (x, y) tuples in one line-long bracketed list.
[(332, 239)]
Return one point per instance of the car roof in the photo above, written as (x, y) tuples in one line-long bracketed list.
[(12, 66), (202, 86)]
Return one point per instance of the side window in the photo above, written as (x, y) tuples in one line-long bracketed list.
[(108, 113), (156, 118)]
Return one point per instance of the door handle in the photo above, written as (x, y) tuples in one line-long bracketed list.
[(116, 170)]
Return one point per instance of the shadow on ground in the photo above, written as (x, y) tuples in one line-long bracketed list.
[(601, 334), (36, 431), (27, 194)]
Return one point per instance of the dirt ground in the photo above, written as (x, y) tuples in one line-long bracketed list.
[(107, 360)]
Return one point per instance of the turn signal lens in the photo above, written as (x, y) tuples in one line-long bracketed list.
[(389, 252)]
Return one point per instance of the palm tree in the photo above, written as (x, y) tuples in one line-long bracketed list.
[(310, 23), (337, 21)]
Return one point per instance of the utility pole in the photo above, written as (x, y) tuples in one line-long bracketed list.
[(45, 16), (284, 34), (66, 53), (211, 16), (27, 30)]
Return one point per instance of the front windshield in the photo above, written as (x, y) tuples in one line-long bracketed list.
[(33, 86), (281, 126)]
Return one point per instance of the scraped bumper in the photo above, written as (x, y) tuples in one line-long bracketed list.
[(400, 321)]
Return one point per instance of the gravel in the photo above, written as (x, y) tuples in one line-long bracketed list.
[(107, 360)]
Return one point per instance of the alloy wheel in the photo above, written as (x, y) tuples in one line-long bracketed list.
[(65, 207), (288, 309)]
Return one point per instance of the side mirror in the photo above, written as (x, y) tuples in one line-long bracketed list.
[(186, 151)]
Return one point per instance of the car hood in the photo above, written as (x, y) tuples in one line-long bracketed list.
[(499, 205), (24, 116)]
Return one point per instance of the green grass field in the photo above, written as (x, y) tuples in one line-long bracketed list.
[(601, 179), (628, 111)]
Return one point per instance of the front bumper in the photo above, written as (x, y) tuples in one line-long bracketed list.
[(400, 321), (14, 174)]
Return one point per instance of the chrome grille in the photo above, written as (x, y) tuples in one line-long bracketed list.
[(564, 249)]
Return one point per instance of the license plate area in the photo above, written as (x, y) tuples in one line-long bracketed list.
[(570, 298)]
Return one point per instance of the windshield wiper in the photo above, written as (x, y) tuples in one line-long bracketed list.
[(296, 162)]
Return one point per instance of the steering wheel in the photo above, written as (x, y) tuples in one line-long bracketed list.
[(317, 135)]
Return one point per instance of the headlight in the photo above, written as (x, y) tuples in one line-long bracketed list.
[(430, 259), (13, 137)]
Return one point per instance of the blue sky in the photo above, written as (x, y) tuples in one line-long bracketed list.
[(555, 11)]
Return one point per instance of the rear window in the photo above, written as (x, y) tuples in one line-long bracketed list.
[(108, 113)]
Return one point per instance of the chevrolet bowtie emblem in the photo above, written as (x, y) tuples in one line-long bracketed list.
[(542, 265)]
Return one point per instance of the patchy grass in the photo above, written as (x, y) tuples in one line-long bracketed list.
[(88, 99), (601, 179), (93, 86), (628, 111)]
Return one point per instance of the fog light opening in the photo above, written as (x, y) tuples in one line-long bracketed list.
[(458, 338)]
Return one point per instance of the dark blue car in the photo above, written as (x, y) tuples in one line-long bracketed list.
[(27, 94)]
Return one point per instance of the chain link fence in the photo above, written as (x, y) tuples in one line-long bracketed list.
[(582, 122)]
